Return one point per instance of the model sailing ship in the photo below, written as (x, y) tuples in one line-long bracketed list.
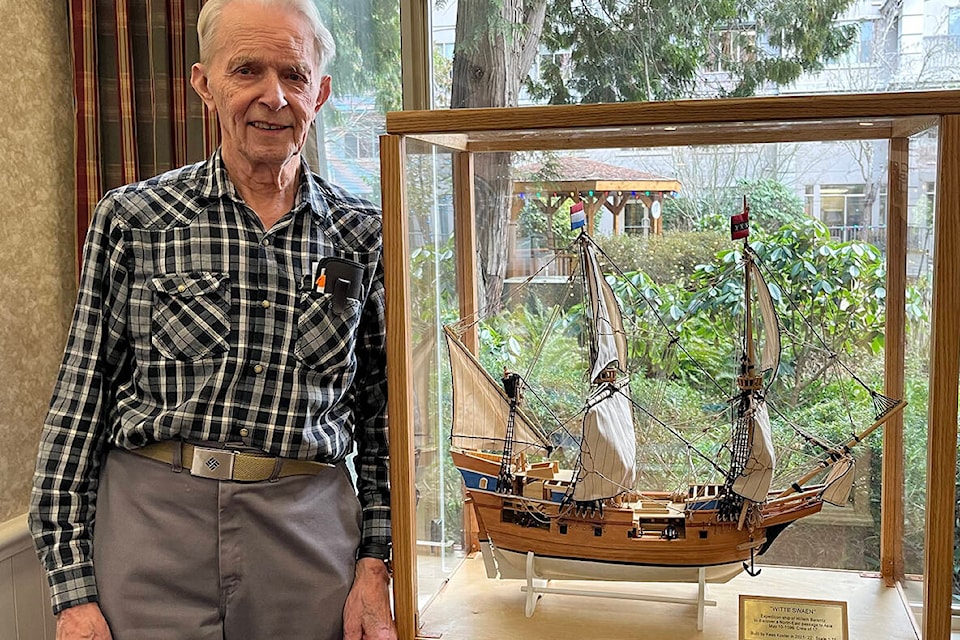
[(591, 522)]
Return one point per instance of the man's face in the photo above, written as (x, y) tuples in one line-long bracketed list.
[(262, 80)]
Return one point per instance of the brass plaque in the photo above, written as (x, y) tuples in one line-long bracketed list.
[(763, 618)]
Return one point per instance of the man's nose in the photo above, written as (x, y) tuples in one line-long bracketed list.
[(272, 92)]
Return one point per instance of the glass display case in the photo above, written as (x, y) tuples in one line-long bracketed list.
[(476, 209)]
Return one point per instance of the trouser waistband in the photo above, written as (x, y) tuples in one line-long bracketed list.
[(227, 464)]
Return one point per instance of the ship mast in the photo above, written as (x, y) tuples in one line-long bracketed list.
[(748, 380), (511, 385), (751, 449)]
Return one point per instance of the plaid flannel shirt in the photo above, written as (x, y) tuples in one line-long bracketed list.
[(193, 322)]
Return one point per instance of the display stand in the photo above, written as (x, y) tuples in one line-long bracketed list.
[(533, 590)]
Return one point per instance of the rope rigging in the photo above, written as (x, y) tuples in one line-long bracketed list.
[(738, 406)]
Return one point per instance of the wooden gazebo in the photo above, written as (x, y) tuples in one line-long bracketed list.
[(596, 184)]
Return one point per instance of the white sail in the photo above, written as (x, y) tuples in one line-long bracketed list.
[(610, 340), (753, 483), (608, 450), (839, 482), (481, 407), (770, 357)]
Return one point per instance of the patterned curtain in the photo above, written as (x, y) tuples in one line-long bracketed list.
[(136, 114)]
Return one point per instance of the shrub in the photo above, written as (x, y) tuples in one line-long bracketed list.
[(772, 205), (666, 259)]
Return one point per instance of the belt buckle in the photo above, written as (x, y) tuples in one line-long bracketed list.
[(216, 464)]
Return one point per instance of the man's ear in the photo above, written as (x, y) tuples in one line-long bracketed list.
[(324, 94), (198, 80)]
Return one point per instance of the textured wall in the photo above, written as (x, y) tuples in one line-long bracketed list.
[(37, 238)]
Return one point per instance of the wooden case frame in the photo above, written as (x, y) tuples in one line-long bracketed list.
[(891, 116)]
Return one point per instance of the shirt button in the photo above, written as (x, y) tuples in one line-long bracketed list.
[(182, 288), (265, 304), (244, 432), (258, 368), (266, 242)]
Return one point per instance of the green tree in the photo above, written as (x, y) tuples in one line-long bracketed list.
[(658, 49), (635, 51), (495, 45), (665, 259), (367, 33), (772, 205)]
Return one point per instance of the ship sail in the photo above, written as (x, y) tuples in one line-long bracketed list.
[(609, 339), (753, 483), (839, 482), (481, 408), (608, 448), (770, 355), (754, 479)]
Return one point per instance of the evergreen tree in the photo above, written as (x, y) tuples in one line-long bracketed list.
[(624, 51)]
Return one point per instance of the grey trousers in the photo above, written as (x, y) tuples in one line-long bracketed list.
[(180, 557)]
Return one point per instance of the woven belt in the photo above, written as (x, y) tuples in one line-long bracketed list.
[(228, 464)]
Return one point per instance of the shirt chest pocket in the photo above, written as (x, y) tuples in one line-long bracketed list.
[(190, 315), (325, 336)]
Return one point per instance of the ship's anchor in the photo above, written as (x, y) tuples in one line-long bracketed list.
[(750, 568)]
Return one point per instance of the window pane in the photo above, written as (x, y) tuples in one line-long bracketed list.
[(586, 52), (343, 144), (832, 208), (443, 527)]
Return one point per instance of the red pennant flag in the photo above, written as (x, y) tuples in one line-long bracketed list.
[(740, 223)]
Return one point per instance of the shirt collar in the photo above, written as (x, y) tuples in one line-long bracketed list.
[(216, 183)]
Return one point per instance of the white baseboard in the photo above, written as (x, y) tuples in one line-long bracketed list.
[(24, 597)]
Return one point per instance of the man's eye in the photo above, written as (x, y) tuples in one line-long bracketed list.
[(244, 71), (296, 77)]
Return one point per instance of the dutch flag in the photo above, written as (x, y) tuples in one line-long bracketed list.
[(577, 217)]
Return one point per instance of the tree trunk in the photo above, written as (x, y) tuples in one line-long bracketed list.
[(495, 44)]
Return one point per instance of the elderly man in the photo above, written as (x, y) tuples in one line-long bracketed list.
[(226, 352)]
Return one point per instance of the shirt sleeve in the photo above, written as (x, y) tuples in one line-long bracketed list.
[(74, 435), (370, 411)]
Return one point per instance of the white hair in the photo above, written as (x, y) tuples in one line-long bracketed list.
[(210, 17)]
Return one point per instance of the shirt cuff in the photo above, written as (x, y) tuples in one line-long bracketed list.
[(376, 528), (374, 550), (72, 586)]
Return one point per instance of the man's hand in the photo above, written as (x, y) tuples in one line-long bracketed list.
[(366, 614), (82, 622)]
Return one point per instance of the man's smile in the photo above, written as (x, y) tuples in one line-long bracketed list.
[(266, 126)]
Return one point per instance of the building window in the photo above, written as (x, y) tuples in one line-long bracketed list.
[(867, 33), (633, 218), (730, 48), (842, 209), (863, 50), (561, 60), (357, 146)]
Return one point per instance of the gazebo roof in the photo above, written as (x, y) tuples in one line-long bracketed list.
[(581, 174)]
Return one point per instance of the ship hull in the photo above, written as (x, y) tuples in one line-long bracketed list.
[(650, 540)]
